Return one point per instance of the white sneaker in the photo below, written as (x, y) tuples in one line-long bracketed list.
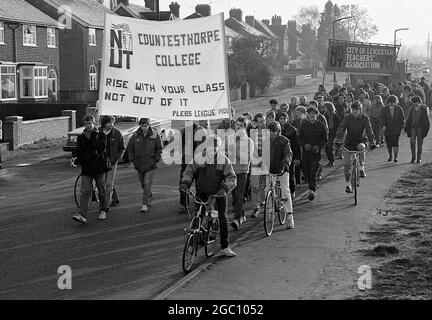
[(144, 208), (102, 215), (290, 221), (227, 252), (243, 219), (79, 218)]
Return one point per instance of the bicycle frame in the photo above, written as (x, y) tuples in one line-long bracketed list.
[(274, 192), (355, 171)]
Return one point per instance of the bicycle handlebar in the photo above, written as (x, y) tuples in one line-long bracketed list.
[(199, 201), (358, 152)]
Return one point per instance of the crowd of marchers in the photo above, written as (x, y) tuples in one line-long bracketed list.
[(357, 117)]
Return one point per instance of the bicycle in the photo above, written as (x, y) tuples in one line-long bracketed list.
[(77, 192), (203, 231), (355, 180), (273, 203)]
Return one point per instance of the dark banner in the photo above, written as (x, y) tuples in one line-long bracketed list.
[(359, 57)]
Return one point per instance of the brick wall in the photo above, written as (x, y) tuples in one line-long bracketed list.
[(48, 128), (6, 50)]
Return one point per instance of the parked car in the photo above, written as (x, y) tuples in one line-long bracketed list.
[(126, 125)]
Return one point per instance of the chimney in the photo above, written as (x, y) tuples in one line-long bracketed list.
[(292, 25), (203, 9), (266, 21), (250, 20), (150, 4), (236, 14), (175, 9), (276, 20), (125, 2)]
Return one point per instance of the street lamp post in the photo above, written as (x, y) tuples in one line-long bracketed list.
[(394, 41), (333, 28)]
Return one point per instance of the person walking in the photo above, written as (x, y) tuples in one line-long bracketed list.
[(240, 152), (115, 149), (91, 155), (313, 136), (145, 150), (375, 119), (333, 121), (417, 127), (393, 121), (291, 133)]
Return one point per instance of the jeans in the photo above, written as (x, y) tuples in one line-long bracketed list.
[(238, 195), (329, 146), (416, 136), (297, 173), (348, 161), (86, 193), (286, 194), (146, 180), (311, 163), (221, 204), (109, 184), (377, 129), (258, 186), (183, 196), (292, 178)]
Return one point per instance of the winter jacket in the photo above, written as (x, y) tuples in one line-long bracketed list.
[(355, 128), (376, 110), (313, 133), (211, 177), (366, 107), (336, 122), (194, 144), (280, 155), (90, 153), (291, 133), (115, 145), (393, 125), (145, 151), (423, 123)]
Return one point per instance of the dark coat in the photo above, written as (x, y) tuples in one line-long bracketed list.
[(393, 125), (280, 155), (90, 153), (115, 145), (145, 151), (336, 123), (424, 122), (355, 128), (314, 134), (291, 133)]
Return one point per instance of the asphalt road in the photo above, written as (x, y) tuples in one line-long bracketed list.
[(128, 256)]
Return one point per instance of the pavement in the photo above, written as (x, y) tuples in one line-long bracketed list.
[(317, 259)]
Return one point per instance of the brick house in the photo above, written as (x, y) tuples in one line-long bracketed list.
[(29, 54), (147, 12), (80, 45)]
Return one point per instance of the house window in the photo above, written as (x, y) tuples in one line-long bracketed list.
[(29, 35), (93, 78), (8, 83), (92, 37), (2, 35), (52, 84), (34, 82), (51, 37)]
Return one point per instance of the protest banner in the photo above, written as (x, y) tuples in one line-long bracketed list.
[(165, 69), (360, 57)]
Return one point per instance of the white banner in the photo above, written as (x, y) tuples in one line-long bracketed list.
[(164, 69)]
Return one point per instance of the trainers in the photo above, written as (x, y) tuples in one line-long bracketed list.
[(256, 212), (311, 195), (418, 160), (412, 160), (79, 218), (235, 224), (319, 177), (362, 174), (144, 208), (348, 189), (102, 215), (243, 219), (290, 221), (227, 252)]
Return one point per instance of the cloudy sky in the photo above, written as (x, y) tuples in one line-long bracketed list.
[(388, 15)]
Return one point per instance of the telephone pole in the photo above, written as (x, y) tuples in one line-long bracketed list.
[(427, 54)]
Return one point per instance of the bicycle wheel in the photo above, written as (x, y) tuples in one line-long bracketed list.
[(281, 213), (211, 237), (188, 253), (354, 184), (269, 213), (77, 192)]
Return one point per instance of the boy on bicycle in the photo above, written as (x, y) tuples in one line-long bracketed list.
[(214, 175), (355, 124)]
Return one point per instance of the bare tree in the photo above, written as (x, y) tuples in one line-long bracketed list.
[(360, 27), (309, 15)]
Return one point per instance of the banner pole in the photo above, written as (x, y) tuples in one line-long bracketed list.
[(226, 64), (99, 107)]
